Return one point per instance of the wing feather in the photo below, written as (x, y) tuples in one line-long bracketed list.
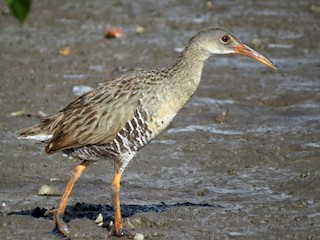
[(96, 117)]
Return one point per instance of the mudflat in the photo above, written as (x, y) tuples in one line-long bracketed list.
[(240, 161)]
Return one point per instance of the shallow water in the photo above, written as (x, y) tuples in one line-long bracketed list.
[(240, 161)]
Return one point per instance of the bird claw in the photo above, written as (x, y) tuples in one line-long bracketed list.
[(61, 226), (63, 229), (51, 211), (120, 232), (116, 229)]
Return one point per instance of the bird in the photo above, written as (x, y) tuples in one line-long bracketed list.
[(118, 118)]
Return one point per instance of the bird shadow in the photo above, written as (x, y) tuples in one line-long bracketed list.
[(91, 211)]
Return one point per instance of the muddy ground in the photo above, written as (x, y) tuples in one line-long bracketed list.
[(250, 174)]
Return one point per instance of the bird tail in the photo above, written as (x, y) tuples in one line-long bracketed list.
[(39, 132)]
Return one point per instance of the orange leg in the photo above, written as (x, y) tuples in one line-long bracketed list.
[(76, 173), (117, 228)]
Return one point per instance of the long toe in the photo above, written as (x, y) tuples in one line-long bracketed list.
[(117, 232), (116, 229), (122, 233), (61, 226)]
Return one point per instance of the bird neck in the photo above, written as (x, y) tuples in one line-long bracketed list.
[(188, 68)]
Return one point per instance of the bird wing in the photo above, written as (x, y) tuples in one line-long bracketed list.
[(96, 117)]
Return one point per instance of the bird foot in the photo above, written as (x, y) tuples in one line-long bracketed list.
[(63, 229), (116, 229), (51, 211), (120, 231), (61, 226)]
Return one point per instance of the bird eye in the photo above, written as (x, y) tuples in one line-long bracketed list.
[(225, 39)]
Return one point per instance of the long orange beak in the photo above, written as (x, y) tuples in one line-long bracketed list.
[(246, 51)]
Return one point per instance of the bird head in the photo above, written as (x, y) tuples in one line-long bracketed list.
[(221, 41)]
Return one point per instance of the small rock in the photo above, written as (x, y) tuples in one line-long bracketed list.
[(256, 42), (315, 8), (65, 51), (178, 50), (48, 191), (114, 32), (99, 219), (209, 5), (138, 236), (139, 29), (42, 114), (18, 113), (80, 90), (306, 175)]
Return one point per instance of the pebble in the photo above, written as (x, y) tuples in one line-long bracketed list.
[(114, 32), (209, 5), (99, 219), (178, 49), (80, 90), (48, 191), (256, 42), (65, 51), (315, 8), (42, 114), (139, 29), (18, 113), (138, 236)]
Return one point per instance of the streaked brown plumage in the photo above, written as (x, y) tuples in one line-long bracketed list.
[(120, 117)]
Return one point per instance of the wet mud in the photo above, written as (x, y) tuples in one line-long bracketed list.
[(240, 161)]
